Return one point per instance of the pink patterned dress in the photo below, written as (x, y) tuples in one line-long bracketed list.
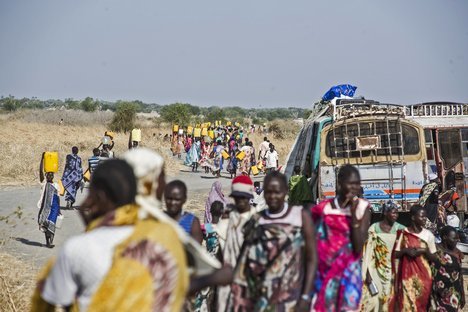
[(338, 281)]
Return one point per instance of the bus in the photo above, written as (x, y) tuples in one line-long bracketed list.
[(387, 148), (395, 148), (446, 142)]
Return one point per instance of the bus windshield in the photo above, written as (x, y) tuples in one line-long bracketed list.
[(378, 138)]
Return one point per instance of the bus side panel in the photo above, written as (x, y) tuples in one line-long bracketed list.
[(408, 180)]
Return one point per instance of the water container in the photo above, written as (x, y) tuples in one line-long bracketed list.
[(225, 154), (240, 155), (175, 128), (136, 135), (110, 134), (106, 140), (51, 162), (204, 132), (254, 170), (61, 190), (189, 130), (197, 133), (211, 134)]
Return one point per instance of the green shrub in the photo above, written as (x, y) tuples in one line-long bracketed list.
[(89, 105), (124, 117)]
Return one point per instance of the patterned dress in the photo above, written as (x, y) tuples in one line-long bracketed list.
[(447, 287), (413, 277), (377, 260), (338, 279), (270, 270)]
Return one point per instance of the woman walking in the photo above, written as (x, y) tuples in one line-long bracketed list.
[(277, 263), (72, 176), (233, 162), (448, 293), (342, 225), (49, 205), (414, 251), (377, 260)]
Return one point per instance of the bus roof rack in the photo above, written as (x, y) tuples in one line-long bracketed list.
[(350, 108), (437, 109)]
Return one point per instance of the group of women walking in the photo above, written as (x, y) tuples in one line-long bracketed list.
[(283, 258)]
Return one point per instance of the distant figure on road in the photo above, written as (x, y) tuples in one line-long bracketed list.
[(271, 159), (72, 176), (93, 161)]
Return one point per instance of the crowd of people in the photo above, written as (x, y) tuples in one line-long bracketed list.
[(142, 250), (225, 148)]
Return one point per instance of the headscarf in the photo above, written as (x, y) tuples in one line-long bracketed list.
[(389, 206), (216, 194), (148, 166)]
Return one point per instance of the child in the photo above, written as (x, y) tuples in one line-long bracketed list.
[(175, 195), (211, 229)]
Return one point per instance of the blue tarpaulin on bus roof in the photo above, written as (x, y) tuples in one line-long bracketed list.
[(339, 90)]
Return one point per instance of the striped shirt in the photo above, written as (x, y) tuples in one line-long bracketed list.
[(93, 162)]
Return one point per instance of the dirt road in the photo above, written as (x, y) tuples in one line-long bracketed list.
[(19, 231)]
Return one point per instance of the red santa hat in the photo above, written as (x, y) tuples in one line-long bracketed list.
[(242, 186)]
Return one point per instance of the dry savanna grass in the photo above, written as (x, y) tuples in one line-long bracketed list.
[(26, 134), (17, 281)]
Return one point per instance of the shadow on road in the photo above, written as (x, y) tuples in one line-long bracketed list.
[(28, 242)]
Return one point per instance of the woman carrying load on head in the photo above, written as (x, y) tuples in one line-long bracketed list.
[(342, 225), (377, 260), (49, 205)]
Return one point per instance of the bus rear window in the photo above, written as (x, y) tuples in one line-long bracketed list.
[(391, 139)]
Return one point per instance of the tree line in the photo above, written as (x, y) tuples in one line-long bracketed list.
[(179, 113)]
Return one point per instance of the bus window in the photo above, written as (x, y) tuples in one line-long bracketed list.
[(390, 139), (450, 149)]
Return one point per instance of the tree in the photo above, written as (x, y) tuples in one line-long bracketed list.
[(11, 104), (177, 113), (72, 104), (89, 105), (124, 117), (215, 113)]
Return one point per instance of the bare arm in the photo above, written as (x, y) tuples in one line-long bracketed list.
[(41, 169), (220, 277), (197, 233), (359, 228)]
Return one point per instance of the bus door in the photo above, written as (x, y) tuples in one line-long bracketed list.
[(450, 163)]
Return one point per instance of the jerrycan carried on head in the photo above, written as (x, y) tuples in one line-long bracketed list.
[(51, 162), (136, 135)]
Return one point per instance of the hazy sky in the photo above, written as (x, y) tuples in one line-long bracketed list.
[(248, 53)]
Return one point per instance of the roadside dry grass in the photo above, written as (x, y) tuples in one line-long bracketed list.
[(26, 134), (17, 281)]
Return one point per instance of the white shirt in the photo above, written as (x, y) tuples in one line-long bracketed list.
[(424, 235), (264, 147), (271, 159), (81, 266)]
